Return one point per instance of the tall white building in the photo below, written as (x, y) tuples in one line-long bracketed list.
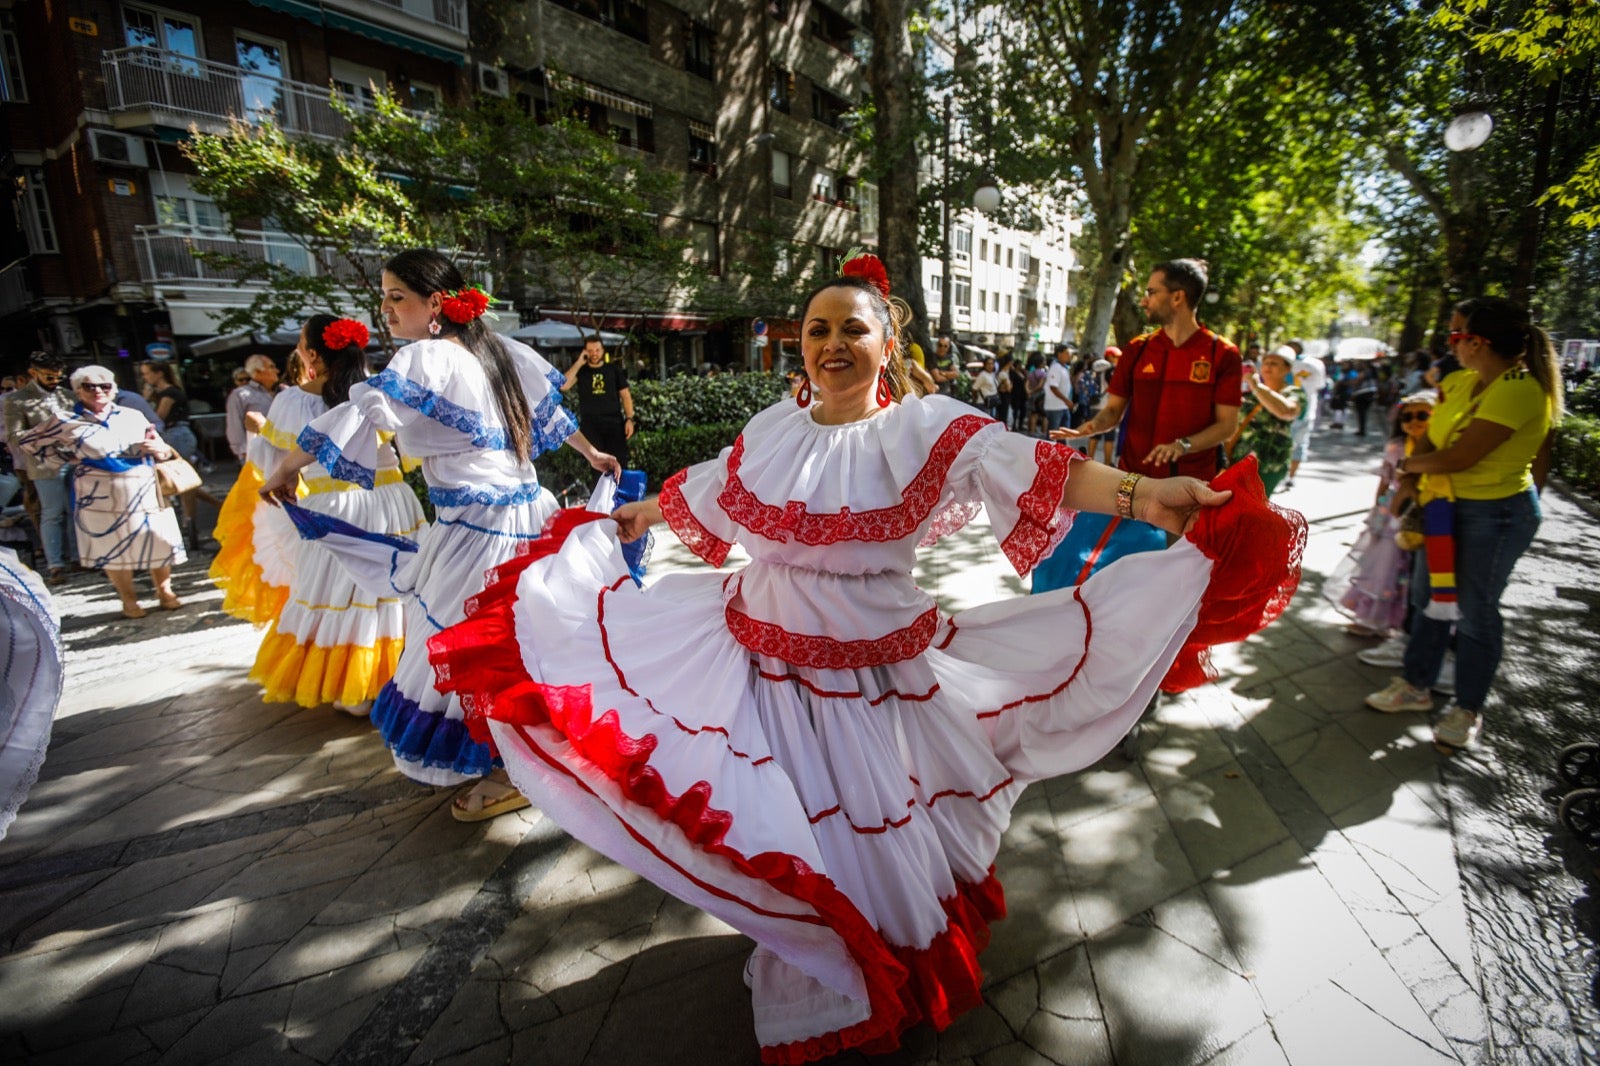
[(1009, 287)]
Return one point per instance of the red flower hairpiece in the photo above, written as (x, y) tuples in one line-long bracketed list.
[(871, 268), (464, 305), (343, 332)]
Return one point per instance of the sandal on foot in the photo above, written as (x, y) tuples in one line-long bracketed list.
[(133, 610), (487, 799), (170, 602)]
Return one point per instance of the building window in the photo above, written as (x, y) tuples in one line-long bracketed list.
[(624, 16), (983, 250), (781, 90), (829, 109), (358, 85), (1024, 262), (34, 204), (822, 185), (1011, 258), (831, 28), (867, 202), (827, 261), (1009, 304), (936, 285), (266, 66), (961, 294), (12, 86), (963, 244), (703, 246), (700, 57), (166, 31), (702, 149), (782, 175), (425, 97)]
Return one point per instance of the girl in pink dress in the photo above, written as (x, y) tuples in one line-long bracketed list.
[(1369, 585), (808, 748)]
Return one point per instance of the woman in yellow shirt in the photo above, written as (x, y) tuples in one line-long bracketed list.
[(1488, 447)]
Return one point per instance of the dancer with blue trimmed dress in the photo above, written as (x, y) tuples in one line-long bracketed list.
[(476, 409)]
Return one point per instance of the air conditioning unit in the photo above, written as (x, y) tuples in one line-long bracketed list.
[(493, 81), (120, 149)]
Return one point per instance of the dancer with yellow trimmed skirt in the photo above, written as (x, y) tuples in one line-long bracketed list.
[(331, 642)]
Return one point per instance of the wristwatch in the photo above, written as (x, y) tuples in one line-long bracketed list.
[(1186, 444)]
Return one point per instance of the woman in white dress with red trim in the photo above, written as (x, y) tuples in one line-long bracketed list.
[(808, 748)]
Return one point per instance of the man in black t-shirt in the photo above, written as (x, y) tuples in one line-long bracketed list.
[(605, 406)]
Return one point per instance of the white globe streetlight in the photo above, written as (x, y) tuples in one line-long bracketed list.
[(1468, 130), (986, 197)]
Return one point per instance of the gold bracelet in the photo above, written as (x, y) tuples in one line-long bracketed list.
[(1125, 494)]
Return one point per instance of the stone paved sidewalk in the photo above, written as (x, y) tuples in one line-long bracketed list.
[(199, 877)]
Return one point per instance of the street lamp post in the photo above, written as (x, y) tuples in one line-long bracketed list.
[(946, 300)]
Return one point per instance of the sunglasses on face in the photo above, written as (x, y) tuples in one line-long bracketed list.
[(1457, 336), (98, 386), (1414, 416)]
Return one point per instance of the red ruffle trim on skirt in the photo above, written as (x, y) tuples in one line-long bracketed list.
[(480, 660), (1257, 548)]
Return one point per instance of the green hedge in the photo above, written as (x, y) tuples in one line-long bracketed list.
[(1576, 452), (679, 422), (1585, 399), (692, 401)]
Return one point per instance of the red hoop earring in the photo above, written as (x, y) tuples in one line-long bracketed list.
[(803, 397), (884, 395)]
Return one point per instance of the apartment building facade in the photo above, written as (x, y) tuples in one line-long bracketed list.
[(97, 97), (750, 102)]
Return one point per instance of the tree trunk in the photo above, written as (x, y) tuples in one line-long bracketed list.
[(892, 76)]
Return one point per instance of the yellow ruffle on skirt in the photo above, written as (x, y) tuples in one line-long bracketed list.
[(247, 595), (293, 671)]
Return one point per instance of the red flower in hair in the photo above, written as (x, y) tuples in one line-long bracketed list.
[(871, 268), (343, 332), (464, 305)]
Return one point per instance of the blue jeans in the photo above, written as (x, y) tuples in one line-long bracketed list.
[(1491, 536), (53, 519), (1058, 419)]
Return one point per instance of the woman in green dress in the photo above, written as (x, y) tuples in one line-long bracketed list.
[(1272, 404)]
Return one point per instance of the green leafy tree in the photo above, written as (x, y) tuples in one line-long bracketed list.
[(562, 213), (1083, 87)]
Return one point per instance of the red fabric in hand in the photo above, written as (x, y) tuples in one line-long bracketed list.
[(1257, 549)]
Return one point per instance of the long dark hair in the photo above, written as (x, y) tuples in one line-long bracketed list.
[(1511, 334), (425, 272), (342, 367), (893, 315)]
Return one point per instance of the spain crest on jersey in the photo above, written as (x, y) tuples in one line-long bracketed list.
[(1200, 371)]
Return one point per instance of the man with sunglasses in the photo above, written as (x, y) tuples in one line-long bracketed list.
[(37, 402)]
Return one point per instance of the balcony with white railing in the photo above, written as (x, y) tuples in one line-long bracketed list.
[(148, 88), (184, 257)]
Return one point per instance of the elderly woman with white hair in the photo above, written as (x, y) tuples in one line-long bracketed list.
[(122, 522)]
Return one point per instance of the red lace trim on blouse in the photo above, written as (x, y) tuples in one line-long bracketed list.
[(1039, 526), (826, 653), (793, 521), (696, 537)]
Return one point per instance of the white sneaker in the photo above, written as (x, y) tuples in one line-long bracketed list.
[(1457, 727), (1446, 685), (1390, 653)]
